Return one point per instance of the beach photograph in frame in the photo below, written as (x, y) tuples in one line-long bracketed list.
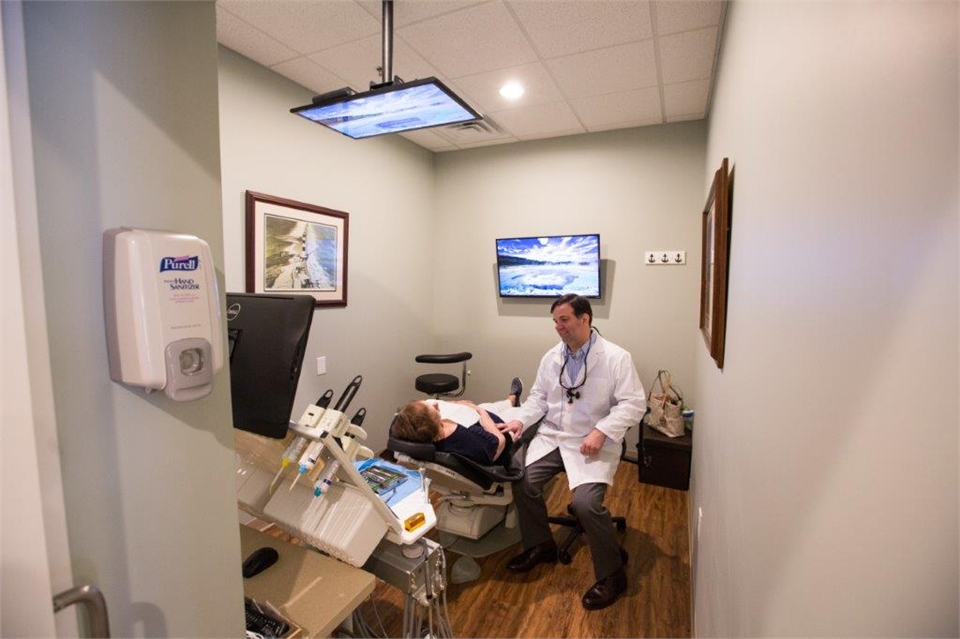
[(294, 247)]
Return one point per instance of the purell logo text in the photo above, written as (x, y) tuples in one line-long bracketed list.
[(182, 263)]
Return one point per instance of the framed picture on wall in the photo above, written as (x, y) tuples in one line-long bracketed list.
[(293, 247), (713, 269)]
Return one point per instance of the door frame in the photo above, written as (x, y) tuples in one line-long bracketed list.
[(35, 550)]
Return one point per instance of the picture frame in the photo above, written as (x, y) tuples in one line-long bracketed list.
[(295, 247), (714, 264)]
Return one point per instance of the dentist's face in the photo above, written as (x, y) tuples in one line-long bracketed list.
[(573, 331)]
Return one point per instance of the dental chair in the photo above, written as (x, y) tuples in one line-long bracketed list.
[(445, 384), (476, 517)]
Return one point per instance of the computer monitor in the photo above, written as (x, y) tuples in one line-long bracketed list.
[(267, 337)]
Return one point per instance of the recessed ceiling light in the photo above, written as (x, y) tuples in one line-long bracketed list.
[(511, 90)]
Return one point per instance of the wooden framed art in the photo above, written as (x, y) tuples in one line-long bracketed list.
[(293, 247), (713, 270)]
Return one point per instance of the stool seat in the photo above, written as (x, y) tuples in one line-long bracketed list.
[(437, 383)]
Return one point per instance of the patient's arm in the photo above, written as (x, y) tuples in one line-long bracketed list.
[(489, 426)]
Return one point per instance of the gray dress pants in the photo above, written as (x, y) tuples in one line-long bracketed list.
[(587, 507)]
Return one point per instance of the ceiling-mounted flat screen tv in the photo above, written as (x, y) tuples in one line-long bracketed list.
[(393, 108), (549, 266)]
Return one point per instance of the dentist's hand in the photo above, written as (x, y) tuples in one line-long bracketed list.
[(513, 427), (592, 443)]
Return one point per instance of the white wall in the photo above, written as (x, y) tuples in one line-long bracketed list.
[(641, 189), (387, 187), (825, 459), (124, 107)]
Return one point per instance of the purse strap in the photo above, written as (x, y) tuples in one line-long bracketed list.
[(666, 385)]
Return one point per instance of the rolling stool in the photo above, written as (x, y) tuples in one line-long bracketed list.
[(437, 384)]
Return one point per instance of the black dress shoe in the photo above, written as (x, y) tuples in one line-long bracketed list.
[(539, 554), (606, 591), (516, 389)]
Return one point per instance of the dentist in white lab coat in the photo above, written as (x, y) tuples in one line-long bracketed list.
[(589, 394)]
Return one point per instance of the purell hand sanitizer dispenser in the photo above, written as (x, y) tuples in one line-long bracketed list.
[(162, 312)]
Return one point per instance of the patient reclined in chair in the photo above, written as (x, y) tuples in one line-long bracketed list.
[(462, 427), (476, 517)]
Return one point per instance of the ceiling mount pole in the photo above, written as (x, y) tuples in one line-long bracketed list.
[(387, 77)]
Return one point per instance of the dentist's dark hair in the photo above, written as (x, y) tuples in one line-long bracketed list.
[(578, 303)]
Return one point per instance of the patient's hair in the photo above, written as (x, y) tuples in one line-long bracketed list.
[(417, 422)]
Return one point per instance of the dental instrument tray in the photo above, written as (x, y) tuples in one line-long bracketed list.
[(382, 479)]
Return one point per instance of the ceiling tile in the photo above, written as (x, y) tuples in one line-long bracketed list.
[(674, 16), (688, 56), (430, 139), (470, 41), (304, 25), (684, 118), (586, 64), (309, 75), (483, 89), (357, 62), (628, 109), (686, 99), (562, 27), (412, 11), (473, 145), (628, 66), (247, 40), (544, 120)]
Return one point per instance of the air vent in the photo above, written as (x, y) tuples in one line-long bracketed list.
[(479, 127), (480, 133)]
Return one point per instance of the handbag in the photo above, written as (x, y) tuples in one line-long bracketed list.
[(666, 407)]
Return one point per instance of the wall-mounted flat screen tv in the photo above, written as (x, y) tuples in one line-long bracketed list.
[(394, 108), (549, 266)]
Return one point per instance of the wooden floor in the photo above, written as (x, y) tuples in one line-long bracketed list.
[(546, 601)]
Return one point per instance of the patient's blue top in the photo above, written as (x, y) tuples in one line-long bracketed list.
[(472, 442)]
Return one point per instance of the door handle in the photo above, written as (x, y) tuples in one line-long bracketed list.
[(96, 605)]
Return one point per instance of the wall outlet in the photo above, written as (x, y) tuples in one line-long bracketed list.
[(322, 365), (665, 258)]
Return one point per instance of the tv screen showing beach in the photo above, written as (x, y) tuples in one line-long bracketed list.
[(549, 266)]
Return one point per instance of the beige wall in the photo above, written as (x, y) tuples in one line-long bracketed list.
[(825, 460), (640, 189), (387, 187), (123, 99), (422, 231), (828, 507)]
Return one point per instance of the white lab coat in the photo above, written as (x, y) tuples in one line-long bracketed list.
[(612, 400)]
